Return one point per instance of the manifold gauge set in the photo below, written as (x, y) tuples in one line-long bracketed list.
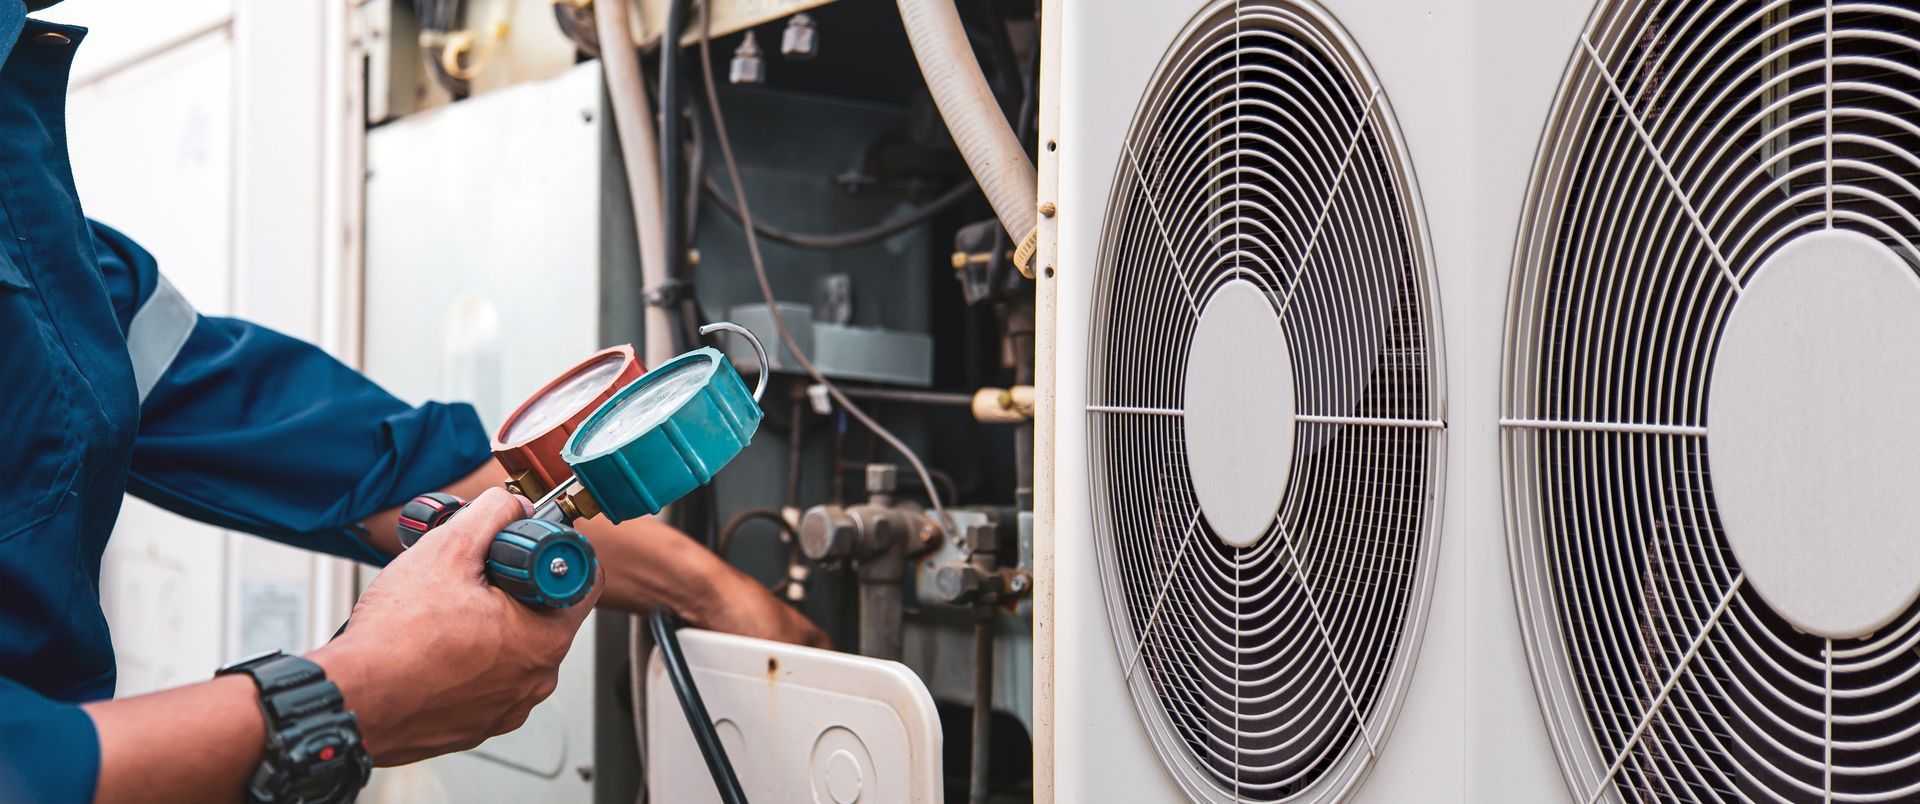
[(607, 437)]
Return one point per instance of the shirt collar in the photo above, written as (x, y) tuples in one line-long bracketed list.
[(15, 25)]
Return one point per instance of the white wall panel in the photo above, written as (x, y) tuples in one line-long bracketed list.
[(151, 149), (201, 135), (121, 32)]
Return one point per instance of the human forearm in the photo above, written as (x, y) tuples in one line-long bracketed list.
[(649, 563), (192, 743), (203, 741)]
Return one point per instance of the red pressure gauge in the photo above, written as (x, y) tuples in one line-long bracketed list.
[(528, 443)]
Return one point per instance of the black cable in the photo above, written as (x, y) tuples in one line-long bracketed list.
[(834, 241), (576, 23), (739, 520), (725, 542), (696, 166), (665, 625)]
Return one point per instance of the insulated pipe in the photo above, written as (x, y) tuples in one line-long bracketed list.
[(979, 777), (633, 122), (973, 116), (672, 152), (620, 61)]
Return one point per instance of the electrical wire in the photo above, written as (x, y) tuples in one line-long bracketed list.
[(833, 241), (766, 287), (441, 17), (636, 667), (705, 735), (790, 539)]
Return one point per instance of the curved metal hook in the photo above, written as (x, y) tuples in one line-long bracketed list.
[(759, 352)]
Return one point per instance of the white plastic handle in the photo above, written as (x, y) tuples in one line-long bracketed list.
[(759, 352)]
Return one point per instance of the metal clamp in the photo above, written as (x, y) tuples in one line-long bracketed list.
[(759, 352)]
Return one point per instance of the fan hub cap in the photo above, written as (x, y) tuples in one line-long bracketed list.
[(1813, 435), (1239, 412)]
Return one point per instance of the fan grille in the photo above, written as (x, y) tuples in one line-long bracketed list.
[(1689, 143), (1264, 152)]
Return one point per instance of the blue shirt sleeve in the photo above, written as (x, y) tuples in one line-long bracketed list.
[(252, 430), (48, 750)]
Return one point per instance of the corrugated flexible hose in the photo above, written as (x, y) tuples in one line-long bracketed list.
[(979, 128)]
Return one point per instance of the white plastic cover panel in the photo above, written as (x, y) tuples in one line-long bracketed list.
[(799, 724)]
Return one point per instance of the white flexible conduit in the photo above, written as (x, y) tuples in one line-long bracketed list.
[(620, 61), (979, 128), (634, 122)]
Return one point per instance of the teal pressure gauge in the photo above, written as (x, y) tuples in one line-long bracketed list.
[(668, 432)]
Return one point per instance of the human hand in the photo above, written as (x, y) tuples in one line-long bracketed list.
[(437, 659), (740, 605)]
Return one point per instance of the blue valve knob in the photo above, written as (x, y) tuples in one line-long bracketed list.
[(666, 434), (536, 562), (542, 563)]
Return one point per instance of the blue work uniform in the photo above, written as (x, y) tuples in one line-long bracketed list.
[(110, 383)]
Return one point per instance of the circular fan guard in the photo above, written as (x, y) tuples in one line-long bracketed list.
[(1690, 143), (1264, 153)]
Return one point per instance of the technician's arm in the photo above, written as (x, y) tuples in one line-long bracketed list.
[(648, 563), (437, 660)]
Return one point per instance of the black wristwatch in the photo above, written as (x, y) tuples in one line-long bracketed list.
[(313, 743)]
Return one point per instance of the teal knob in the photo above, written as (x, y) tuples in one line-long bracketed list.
[(664, 435), (541, 563)]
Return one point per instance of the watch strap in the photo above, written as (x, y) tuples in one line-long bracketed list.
[(309, 731)]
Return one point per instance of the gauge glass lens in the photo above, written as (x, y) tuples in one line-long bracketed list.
[(646, 407), (564, 400)]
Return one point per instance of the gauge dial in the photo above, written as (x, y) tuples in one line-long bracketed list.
[(528, 445), (663, 435)]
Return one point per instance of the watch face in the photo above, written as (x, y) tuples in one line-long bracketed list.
[(317, 758), (328, 764)]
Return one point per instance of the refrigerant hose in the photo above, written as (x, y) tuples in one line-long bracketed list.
[(665, 637)]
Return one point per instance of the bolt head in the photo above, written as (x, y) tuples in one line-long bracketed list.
[(801, 40), (747, 66), (956, 584), (983, 538), (558, 567), (882, 478), (827, 532)]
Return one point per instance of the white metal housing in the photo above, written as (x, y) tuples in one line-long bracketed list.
[(1091, 743), (1707, 436)]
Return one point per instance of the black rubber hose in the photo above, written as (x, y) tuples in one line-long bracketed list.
[(672, 157), (843, 240), (665, 626)]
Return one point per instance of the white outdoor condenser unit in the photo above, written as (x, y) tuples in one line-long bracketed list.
[(1662, 548), (1251, 440), (1709, 457)]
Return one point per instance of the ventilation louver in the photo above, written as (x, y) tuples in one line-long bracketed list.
[(1266, 414), (1708, 428)]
